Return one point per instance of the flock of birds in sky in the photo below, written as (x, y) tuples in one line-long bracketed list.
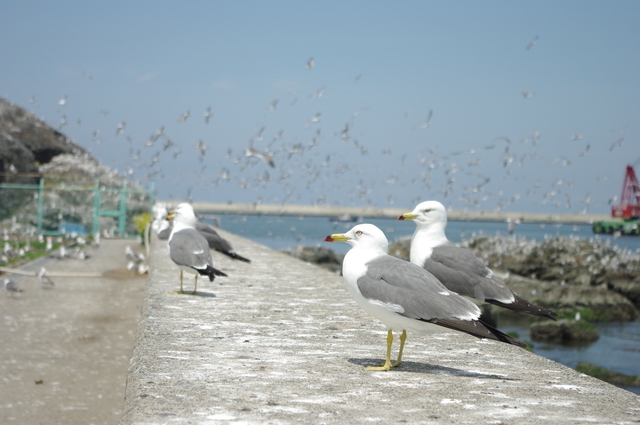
[(424, 296), (316, 165)]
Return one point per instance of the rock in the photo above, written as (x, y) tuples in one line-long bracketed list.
[(569, 261), (26, 142), (323, 257), (609, 376), (564, 332), (31, 149), (401, 248)]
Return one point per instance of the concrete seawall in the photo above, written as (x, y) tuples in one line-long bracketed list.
[(280, 341)]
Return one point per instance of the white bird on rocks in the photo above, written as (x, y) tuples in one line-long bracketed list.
[(458, 268), (188, 248), (402, 295)]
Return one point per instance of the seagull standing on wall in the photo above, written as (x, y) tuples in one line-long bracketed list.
[(402, 295), (458, 268), (188, 248)]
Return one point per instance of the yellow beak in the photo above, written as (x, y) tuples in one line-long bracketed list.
[(171, 215), (408, 216), (336, 237)]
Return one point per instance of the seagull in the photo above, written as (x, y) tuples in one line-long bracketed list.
[(217, 242), (402, 295), (266, 157), (207, 115), (47, 282), (458, 268), (188, 248), (532, 42), (9, 285), (310, 64)]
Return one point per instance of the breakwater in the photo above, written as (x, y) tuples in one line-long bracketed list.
[(356, 212), (281, 341)]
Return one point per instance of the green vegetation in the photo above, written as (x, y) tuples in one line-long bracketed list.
[(37, 250), (586, 314), (609, 376)]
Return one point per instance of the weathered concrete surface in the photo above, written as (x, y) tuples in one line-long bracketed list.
[(281, 342), (64, 352)]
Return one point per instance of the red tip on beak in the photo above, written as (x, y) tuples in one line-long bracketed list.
[(401, 218), (328, 239)]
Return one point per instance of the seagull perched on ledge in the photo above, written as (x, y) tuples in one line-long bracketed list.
[(458, 268), (188, 248), (404, 296)]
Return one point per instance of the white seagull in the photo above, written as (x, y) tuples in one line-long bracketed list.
[(188, 248), (458, 268), (402, 295)]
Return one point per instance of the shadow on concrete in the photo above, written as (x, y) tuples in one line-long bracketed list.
[(416, 367)]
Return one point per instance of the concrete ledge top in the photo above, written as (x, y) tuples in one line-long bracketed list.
[(281, 342)]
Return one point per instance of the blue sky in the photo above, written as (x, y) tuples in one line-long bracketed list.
[(547, 127)]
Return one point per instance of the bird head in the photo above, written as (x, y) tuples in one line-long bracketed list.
[(362, 236), (427, 214)]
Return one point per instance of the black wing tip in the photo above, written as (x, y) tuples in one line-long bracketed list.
[(477, 328), (212, 272), (524, 306), (236, 256)]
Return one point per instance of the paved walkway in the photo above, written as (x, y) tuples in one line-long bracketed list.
[(281, 342), (64, 352)]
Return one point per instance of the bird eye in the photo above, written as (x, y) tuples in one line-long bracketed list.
[(359, 232), (427, 210)]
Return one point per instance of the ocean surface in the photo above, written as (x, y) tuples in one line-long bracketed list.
[(617, 349)]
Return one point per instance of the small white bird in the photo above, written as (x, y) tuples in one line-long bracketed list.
[(9, 285), (266, 157), (188, 248), (46, 281), (402, 295)]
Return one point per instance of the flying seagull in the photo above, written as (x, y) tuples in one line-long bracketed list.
[(265, 156), (188, 248), (402, 295), (458, 268)]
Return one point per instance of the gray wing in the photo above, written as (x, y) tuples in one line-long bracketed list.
[(215, 241), (189, 248), (421, 296), (461, 271)]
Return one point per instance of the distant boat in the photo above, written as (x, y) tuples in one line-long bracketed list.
[(344, 218)]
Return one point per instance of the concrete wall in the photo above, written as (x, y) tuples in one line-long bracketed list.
[(280, 341)]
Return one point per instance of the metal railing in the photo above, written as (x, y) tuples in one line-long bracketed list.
[(120, 213)]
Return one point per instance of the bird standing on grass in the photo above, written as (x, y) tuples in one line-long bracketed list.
[(458, 268), (188, 248), (404, 296)]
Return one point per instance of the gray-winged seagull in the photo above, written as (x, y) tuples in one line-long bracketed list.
[(188, 248), (402, 295), (458, 268)]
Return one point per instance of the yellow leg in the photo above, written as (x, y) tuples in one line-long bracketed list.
[(196, 286), (403, 337), (180, 291), (387, 364)]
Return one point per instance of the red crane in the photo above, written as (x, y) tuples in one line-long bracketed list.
[(629, 206)]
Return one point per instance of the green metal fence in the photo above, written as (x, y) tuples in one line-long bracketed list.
[(121, 212)]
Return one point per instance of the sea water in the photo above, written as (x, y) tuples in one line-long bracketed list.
[(617, 349)]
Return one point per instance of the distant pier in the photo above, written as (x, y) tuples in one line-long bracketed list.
[(372, 212)]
